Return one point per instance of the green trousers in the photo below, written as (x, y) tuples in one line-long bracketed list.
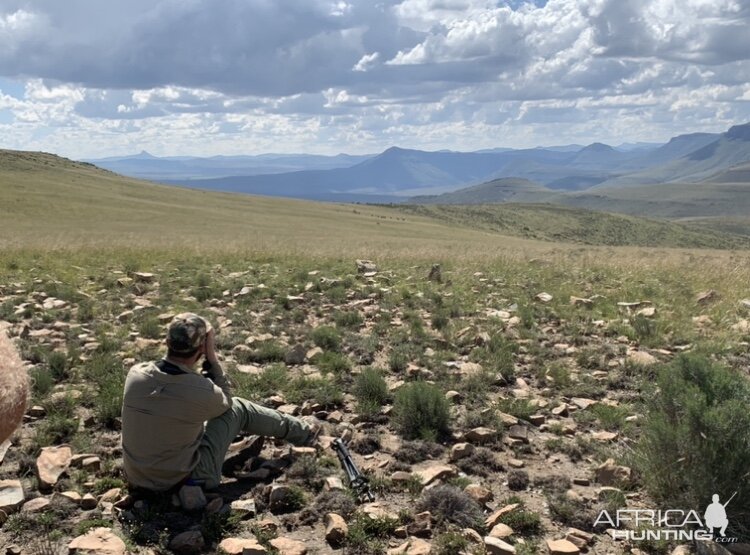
[(247, 417)]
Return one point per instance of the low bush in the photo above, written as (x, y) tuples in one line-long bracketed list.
[(421, 411), (327, 338), (695, 439), (450, 504), (370, 390)]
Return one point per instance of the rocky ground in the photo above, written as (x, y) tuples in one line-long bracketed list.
[(543, 376)]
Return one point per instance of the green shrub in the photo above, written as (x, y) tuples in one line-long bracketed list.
[(347, 319), (57, 361), (371, 391), (333, 363), (695, 439), (151, 328), (327, 338), (42, 382), (449, 543), (421, 411)]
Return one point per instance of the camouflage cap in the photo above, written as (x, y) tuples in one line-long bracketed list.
[(186, 332)]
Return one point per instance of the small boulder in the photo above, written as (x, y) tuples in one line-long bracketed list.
[(286, 546), (610, 474), (99, 541), (192, 498), (51, 464), (336, 529), (11, 495), (562, 547), (242, 546), (496, 546), (188, 543)]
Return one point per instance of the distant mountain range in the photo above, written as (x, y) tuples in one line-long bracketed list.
[(399, 174)]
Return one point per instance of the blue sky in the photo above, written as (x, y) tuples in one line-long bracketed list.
[(85, 78)]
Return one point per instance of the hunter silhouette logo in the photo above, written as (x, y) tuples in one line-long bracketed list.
[(716, 515), (669, 524)]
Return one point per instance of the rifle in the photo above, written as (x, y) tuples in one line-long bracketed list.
[(357, 481)]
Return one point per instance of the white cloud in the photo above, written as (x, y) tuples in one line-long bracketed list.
[(359, 75)]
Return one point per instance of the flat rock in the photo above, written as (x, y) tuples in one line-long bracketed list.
[(38, 505), (562, 547), (11, 495), (543, 297), (480, 494), (418, 547), (480, 435), (242, 546), (436, 472), (286, 546), (494, 519), (244, 507), (501, 531), (496, 546), (51, 464), (99, 541)]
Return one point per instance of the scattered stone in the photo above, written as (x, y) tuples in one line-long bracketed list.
[(580, 538), (88, 502), (422, 524), (333, 483), (501, 531), (743, 326), (610, 474), (705, 297), (242, 546), (99, 541), (562, 547), (244, 507), (143, 277), (11, 495), (496, 546), (480, 494), (745, 303), (544, 297), (604, 436), (51, 464), (418, 547), (480, 435), (519, 432), (461, 451), (583, 403), (647, 312), (37, 411), (336, 529), (366, 267), (37, 505), (578, 301), (188, 543), (436, 472), (494, 519), (192, 498), (286, 546), (516, 463)]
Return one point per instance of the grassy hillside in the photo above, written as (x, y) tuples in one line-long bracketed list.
[(48, 201), (507, 189), (668, 200), (574, 225), (52, 202)]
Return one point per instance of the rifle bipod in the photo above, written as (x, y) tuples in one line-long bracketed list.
[(357, 481)]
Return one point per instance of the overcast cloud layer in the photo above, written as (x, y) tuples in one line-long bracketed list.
[(87, 78)]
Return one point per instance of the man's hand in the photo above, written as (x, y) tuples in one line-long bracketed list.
[(210, 347)]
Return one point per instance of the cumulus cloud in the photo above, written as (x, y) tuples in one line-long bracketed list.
[(354, 70)]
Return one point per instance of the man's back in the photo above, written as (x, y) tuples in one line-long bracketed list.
[(163, 416)]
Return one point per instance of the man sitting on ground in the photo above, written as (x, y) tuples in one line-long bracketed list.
[(177, 424)]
